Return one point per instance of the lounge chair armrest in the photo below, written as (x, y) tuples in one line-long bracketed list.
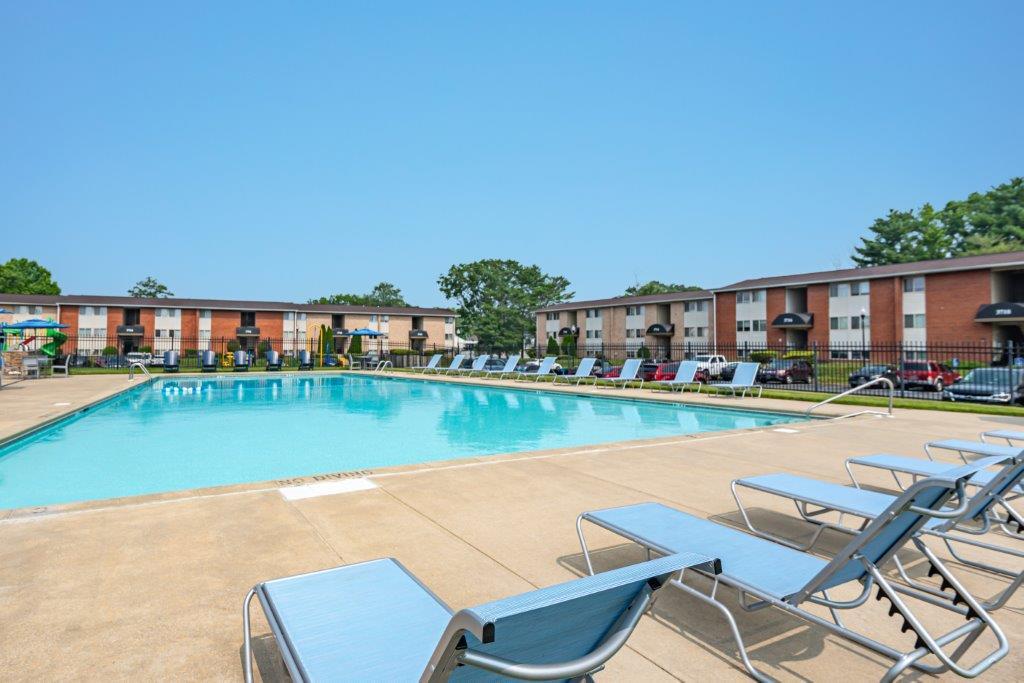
[(593, 660), (958, 511)]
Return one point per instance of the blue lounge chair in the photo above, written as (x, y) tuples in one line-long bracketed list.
[(582, 373), (1008, 435), (628, 374), (543, 370), (376, 621), (507, 369), (452, 367), (767, 574), (686, 376), (172, 361), (743, 380), (814, 499), (305, 360), (241, 361), (431, 364), (209, 361), (273, 360), (478, 365)]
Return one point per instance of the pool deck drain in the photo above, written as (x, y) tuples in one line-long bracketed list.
[(165, 580)]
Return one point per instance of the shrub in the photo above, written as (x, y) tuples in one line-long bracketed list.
[(327, 339), (356, 347), (263, 346), (233, 346), (109, 350), (643, 352), (552, 349), (762, 356), (569, 345), (800, 355), (146, 349), (190, 353)]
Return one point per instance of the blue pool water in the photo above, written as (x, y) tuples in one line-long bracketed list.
[(191, 433)]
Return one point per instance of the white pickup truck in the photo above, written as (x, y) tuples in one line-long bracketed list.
[(711, 363)]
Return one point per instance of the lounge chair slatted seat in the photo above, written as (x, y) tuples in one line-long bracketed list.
[(583, 372), (543, 370), (744, 379), (453, 366), (629, 372), (305, 360), (686, 376), (431, 364), (478, 365), (510, 367), (209, 361)]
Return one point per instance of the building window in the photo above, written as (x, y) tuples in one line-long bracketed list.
[(861, 288), (839, 289), (750, 296), (838, 323), (634, 310), (629, 334), (204, 335), (450, 320), (695, 331), (204, 313), (759, 325), (548, 316), (743, 326), (913, 284), (385, 318), (913, 321), (289, 316), (696, 306), (855, 322), (593, 312)]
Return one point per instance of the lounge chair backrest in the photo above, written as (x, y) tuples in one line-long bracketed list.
[(545, 365), (304, 358), (552, 625), (456, 362), (273, 357), (630, 368), (888, 532), (434, 360), (171, 358), (997, 487), (745, 375), (209, 358), (585, 368), (480, 362), (511, 364), (241, 358), (687, 372)]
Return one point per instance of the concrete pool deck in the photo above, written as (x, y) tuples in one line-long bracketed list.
[(152, 587)]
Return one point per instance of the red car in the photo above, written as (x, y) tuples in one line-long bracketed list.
[(667, 371), (647, 371), (927, 374)]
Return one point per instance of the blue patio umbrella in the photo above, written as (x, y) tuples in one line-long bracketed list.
[(34, 324), (365, 332)]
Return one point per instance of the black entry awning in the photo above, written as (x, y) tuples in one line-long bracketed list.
[(568, 331), (130, 330), (417, 334), (661, 329), (1007, 312), (342, 332), (794, 321), (247, 331)]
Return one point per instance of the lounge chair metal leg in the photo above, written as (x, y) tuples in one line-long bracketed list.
[(778, 539), (247, 636), (583, 544)]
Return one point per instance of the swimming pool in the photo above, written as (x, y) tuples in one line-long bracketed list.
[(187, 433)]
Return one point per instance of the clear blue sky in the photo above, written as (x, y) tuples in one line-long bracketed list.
[(290, 151)]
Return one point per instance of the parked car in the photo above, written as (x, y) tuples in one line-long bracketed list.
[(786, 371), (927, 375), (667, 371), (727, 372), (713, 364), (647, 371), (870, 372), (989, 385), (601, 367), (529, 366)]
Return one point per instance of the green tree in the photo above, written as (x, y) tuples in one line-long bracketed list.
[(327, 339), (24, 276), (658, 287), (356, 347), (384, 294), (150, 288), (902, 237), (569, 346), (643, 352), (552, 349), (497, 299)]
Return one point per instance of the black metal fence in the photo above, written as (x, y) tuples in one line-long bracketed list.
[(962, 371)]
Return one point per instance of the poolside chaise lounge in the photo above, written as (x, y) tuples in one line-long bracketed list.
[(305, 360), (628, 374), (686, 376), (273, 360), (478, 365), (768, 574), (376, 621), (510, 367), (814, 498), (64, 367), (454, 365), (172, 361), (583, 371), (1008, 435), (208, 362), (743, 380), (240, 361), (543, 370), (431, 364)]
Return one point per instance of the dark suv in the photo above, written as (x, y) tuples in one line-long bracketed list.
[(786, 371)]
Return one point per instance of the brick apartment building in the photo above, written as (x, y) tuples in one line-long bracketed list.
[(657, 321), (974, 299), (129, 323)]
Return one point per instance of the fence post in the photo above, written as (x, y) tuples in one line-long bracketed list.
[(817, 366)]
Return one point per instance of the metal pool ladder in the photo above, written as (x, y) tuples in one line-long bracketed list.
[(878, 380), (383, 364), (136, 364)]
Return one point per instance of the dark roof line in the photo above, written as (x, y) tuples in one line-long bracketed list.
[(664, 297), (220, 304), (892, 270)]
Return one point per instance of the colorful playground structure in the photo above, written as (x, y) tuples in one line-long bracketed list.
[(21, 336)]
